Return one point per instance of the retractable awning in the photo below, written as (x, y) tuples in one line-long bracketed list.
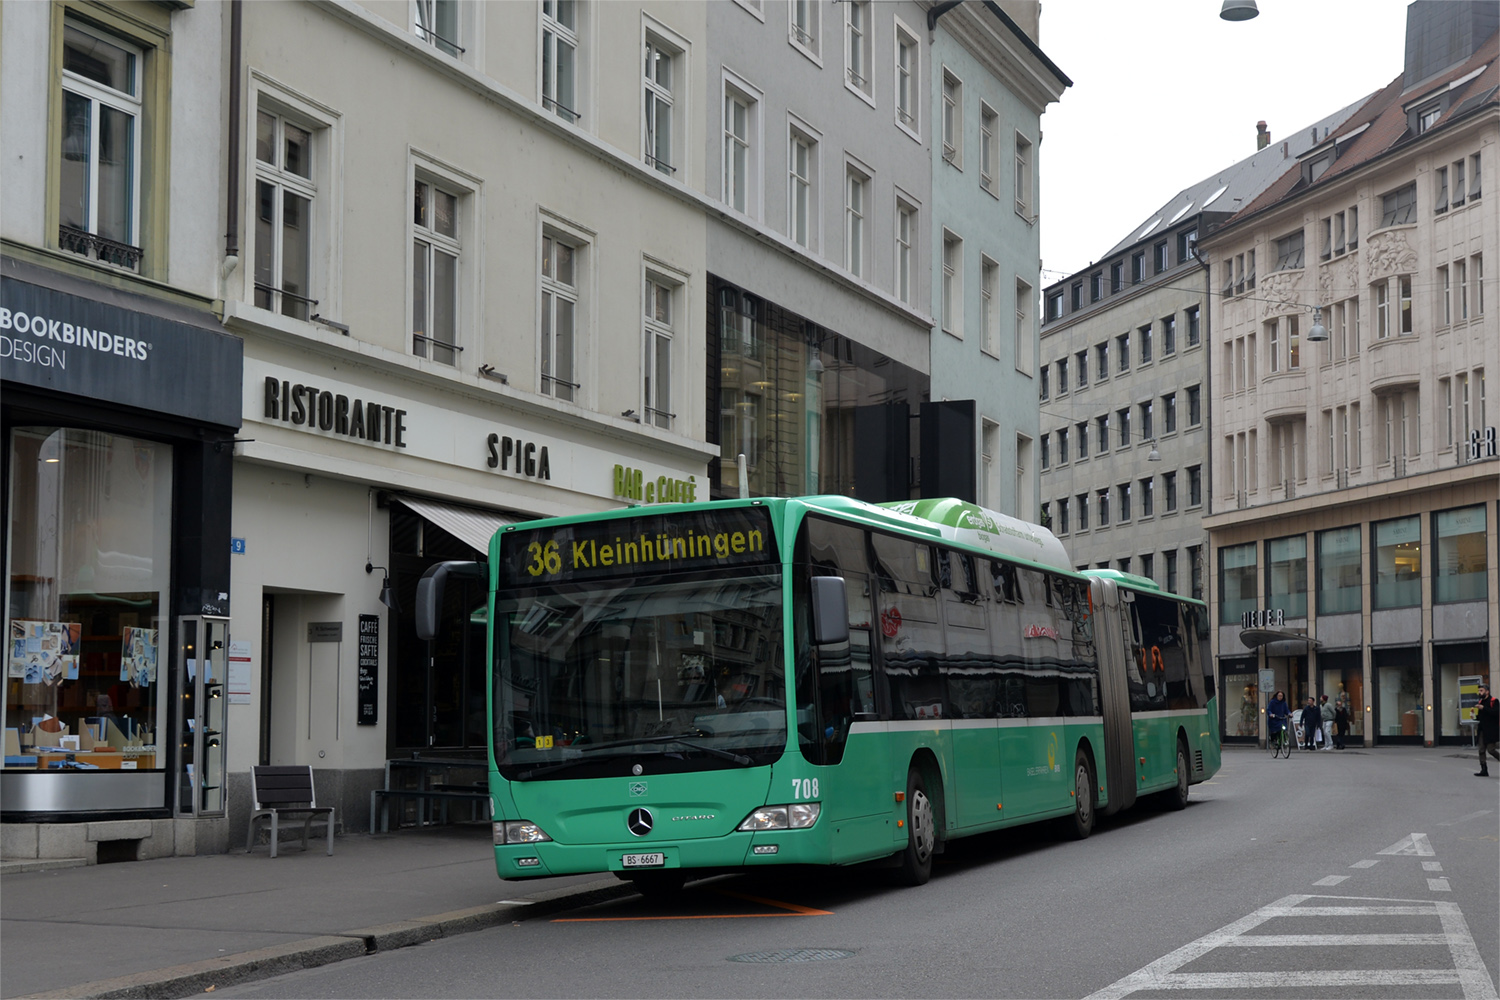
[(469, 525), (1277, 641)]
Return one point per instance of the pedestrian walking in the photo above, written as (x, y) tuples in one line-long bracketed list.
[(1340, 721), (1312, 721), (1326, 710), (1488, 736)]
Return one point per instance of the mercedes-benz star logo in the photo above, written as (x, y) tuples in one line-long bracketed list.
[(639, 822)]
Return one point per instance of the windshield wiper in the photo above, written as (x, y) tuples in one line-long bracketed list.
[(537, 772)]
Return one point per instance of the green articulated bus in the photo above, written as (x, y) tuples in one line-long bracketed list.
[(722, 686)]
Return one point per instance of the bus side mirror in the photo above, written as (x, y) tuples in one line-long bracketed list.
[(430, 592), (830, 611)]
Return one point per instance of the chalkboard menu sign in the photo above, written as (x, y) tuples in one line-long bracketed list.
[(369, 670)]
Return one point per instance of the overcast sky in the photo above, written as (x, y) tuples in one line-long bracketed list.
[(1165, 93)]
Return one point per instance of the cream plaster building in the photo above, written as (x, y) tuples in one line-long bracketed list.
[(1353, 523)]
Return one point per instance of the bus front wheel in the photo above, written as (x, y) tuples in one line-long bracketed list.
[(1176, 797), (1083, 798), (921, 832)]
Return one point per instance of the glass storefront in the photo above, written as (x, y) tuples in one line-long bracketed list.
[(1286, 575), (1242, 699), (1460, 572), (1342, 678), (1236, 582), (1398, 563), (1398, 694), (1458, 670), (1338, 571), (89, 548), (803, 404)]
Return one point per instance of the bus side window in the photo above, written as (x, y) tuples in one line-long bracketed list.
[(837, 684), (911, 638)]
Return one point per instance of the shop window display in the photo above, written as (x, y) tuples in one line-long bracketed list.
[(1242, 704), (1398, 685), (1344, 680), (1459, 671), (89, 564)]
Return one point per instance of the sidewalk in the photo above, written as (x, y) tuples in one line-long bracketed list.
[(176, 926)]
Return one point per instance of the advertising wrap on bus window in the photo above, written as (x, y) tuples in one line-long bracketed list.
[(663, 543)]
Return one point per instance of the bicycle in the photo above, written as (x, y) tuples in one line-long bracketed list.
[(1280, 745)]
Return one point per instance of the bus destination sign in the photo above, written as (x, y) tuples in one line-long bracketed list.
[(657, 543)]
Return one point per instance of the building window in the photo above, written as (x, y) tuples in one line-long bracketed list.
[(284, 193), (1237, 589), (1081, 362), (1168, 336), (1458, 183), (1462, 271), (1148, 567), (436, 251), (1478, 269), (1148, 498), (1440, 190), (1123, 420), (1077, 297), (1083, 439), (1046, 452), (989, 311), (1096, 286), (738, 125), (953, 284), (1428, 117), (1025, 487), (988, 123), (1102, 514), (1116, 277), (1146, 349), (1023, 176), (1062, 376), (1159, 257), (1338, 571), (1289, 251), (1398, 206), (99, 179), (1062, 446), (1169, 563), (1137, 267), (1195, 485), (1397, 563), (657, 365), (1186, 241), (908, 79), (436, 22), (1169, 491), (906, 228), (1101, 355), (953, 121), (1286, 575), (1474, 191), (1462, 564), (1122, 501), (1062, 516), (805, 27), (802, 172), (1403, 288), (1147, 430), (1122, 352), (1101, 426), (1195, 571), (1382, 310), (857, 33), (560, 58), (1169, 413), (1054, 306), (661, 61), (559, 315), (1445, 293), (1025, 329), (856, 210), (1194, 331)]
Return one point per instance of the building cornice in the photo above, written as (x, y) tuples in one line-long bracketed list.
[(1010, 56), (1381, 490)]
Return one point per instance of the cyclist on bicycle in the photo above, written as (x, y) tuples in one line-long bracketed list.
[(1277, 714)]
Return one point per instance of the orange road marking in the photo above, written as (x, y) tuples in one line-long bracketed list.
[(804, 911)]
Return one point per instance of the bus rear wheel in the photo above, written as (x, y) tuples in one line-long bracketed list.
[(921, 832), (1082, 823), (1176, 797)]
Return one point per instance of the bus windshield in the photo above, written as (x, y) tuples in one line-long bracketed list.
[(682, 671)]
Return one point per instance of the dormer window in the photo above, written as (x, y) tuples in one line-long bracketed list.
[(1428, 117), (1317, 168)]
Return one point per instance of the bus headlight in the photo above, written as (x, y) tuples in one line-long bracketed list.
[(791, 817), (518, 831)]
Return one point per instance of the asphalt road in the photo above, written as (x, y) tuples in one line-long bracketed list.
[(1357, 874)]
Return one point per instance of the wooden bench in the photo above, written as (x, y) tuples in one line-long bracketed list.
[(286, 790)]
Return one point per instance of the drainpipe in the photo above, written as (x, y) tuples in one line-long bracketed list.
[(232, 220)]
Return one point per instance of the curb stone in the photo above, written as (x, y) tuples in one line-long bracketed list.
[(194, 978)]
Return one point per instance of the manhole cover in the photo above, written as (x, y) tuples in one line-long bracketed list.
[(793, 955)]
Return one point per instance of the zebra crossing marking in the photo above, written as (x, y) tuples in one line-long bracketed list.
[(1331, 880), (1468, 972), (1364, 864), (1417, 844), (1432, 866), (1439, 885)]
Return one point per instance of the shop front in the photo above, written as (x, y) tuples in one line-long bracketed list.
[(119, 414)]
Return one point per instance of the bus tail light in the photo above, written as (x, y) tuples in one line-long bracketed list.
[(798, 816), (518, 831)]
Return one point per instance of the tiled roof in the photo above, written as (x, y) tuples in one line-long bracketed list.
[(1385, 116)]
